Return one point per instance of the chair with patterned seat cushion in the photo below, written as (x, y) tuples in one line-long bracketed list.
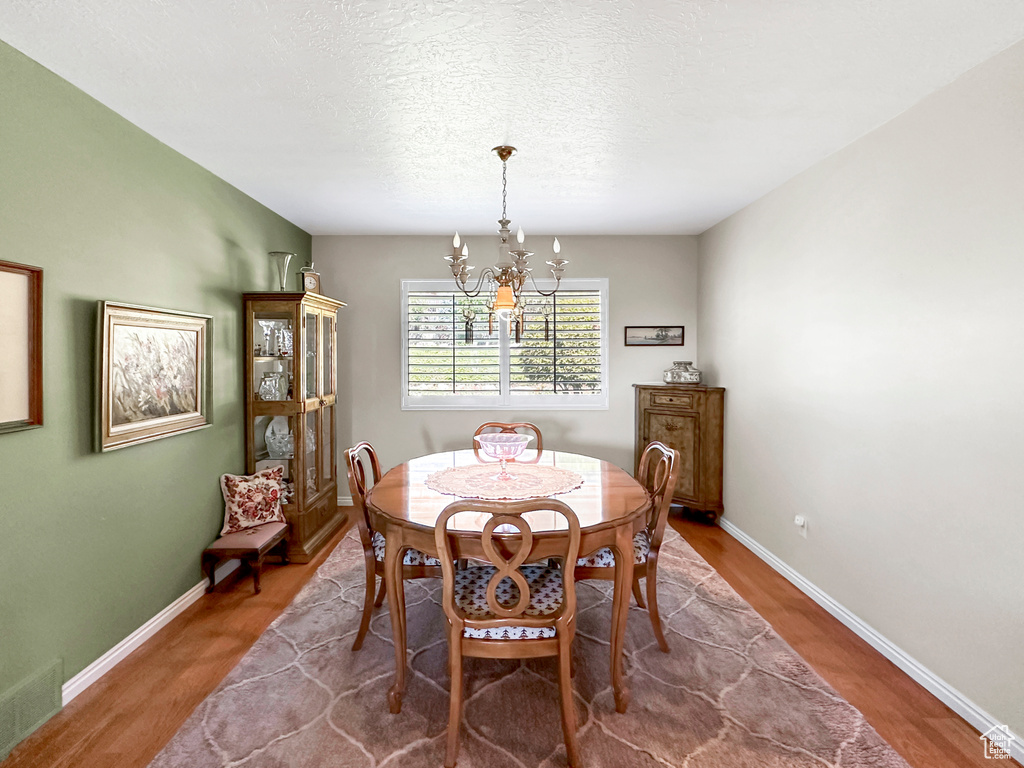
[(363, 474), (658, 471), (504, 609)]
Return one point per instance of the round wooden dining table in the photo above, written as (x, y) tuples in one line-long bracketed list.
[(610, 504)]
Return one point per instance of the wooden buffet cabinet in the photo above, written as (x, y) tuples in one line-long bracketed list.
[(688, 418), (290, 408)]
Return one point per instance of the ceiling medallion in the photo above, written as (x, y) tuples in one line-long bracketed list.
[(507, 278)]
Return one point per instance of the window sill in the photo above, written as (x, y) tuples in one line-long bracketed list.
[(601, 405)]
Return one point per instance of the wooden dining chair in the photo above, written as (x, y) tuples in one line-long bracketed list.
[(509, 427), (363, 465), (658, 471), (504, 609)]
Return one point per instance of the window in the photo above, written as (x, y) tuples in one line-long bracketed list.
[(444, 367)]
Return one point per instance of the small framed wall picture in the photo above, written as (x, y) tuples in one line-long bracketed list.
[(654, 335), (21, 347)]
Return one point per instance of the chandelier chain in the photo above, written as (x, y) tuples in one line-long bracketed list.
[(507, 279)]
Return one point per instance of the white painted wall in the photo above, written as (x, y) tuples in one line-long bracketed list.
[(866, 318), (652, 280)]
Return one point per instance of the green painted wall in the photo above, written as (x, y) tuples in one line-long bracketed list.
[(93, 545)]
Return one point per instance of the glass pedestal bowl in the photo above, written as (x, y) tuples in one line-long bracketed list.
[(503, 446)]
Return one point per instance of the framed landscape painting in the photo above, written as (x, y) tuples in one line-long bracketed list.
[(154, 374), (654, 335)]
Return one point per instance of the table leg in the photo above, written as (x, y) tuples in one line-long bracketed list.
[(623, 549), (396, 607)]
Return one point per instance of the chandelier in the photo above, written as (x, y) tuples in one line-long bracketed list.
[(506, 280)]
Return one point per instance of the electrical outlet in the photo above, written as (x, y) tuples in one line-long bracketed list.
[(801, 523)]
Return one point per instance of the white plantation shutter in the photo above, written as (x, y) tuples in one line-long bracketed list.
[(439, 361), (444, 369), (570, 360)]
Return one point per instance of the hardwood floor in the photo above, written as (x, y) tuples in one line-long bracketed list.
[(921, 728), (125, 719)]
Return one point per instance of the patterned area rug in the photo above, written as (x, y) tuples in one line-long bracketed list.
[(731, 694)]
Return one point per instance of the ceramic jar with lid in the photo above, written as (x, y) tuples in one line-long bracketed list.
[(682, 372)]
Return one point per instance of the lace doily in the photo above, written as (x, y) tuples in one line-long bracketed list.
[(529, 481)]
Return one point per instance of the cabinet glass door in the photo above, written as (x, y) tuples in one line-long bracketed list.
[(311, 326), (327, 471), (328, 389), (327, 361), (274, 446), (314, 478), (272, 361)]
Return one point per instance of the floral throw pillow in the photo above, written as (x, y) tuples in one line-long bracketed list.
[(251, 500)]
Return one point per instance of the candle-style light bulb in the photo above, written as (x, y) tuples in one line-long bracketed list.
[(555, 246), (520, 236), (456, 241), (465, 249)]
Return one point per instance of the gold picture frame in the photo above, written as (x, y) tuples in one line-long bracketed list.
[(154, 374), (21, 347)]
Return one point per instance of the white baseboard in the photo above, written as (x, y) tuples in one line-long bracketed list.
[(111, 658), (943, 691), (119, 652)]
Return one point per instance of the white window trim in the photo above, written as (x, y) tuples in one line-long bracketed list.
[(507, 401)]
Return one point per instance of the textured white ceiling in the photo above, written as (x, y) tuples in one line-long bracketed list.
[(368, 116)]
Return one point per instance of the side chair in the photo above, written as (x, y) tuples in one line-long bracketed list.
[(504, 609), (415, 564), (658, 471), (508, 427)]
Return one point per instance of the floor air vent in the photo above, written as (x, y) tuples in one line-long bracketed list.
[(29, 704)]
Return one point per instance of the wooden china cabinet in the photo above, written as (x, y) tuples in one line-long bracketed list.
[(689, 418), (290, 408)]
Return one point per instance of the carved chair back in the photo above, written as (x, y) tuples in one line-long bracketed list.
[(363, 473), (658, 472), (509, 427), (508, 542)]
